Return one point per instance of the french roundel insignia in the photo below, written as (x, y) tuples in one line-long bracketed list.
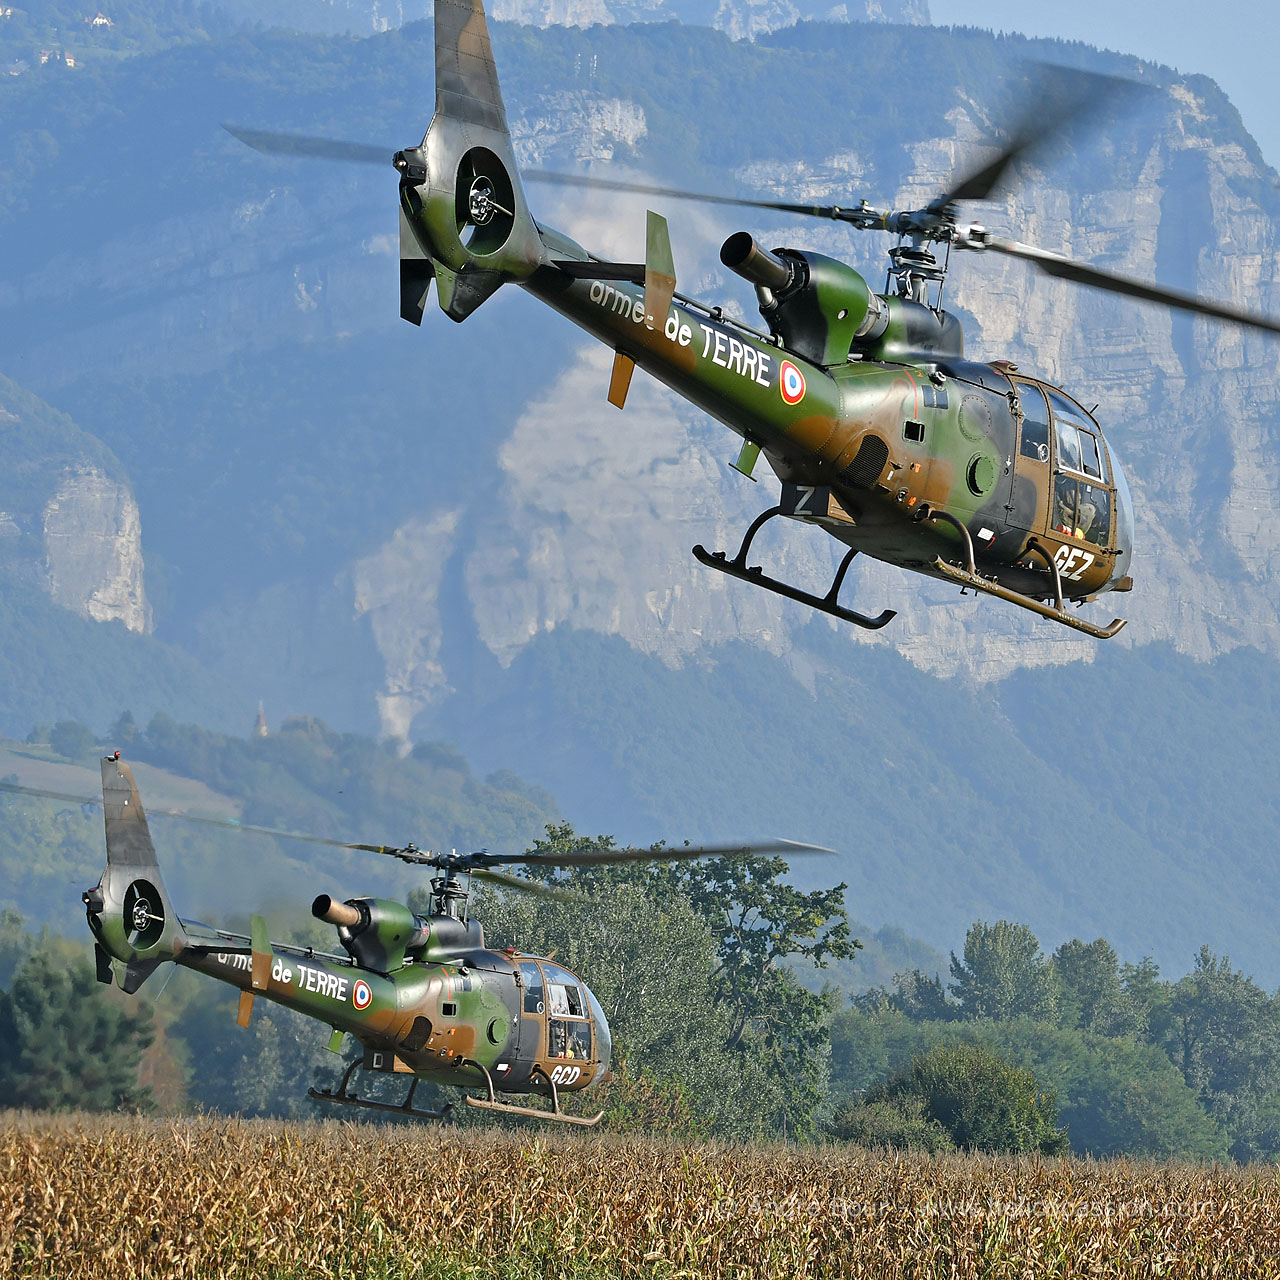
[(791, 383), (361, 996)]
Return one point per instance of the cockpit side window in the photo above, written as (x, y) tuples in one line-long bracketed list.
[(570, 1028), (532, 977), (1077, 438), (1082, 510), (1035, 423)]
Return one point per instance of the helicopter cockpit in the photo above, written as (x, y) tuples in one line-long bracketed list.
[(1083, 498), (564, 1019)]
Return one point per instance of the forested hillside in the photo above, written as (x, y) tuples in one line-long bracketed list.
[(447, 535)]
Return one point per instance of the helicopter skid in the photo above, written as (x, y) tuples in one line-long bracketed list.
[(405, 1108), (738, 568), (491, 1103), (1055, 612)]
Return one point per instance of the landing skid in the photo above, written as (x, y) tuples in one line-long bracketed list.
[(491, 1103), (737, 568), (1057, 611), (405, 1108)]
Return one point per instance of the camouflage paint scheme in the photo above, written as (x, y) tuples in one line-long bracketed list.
[(435, 1002), (880, 430)]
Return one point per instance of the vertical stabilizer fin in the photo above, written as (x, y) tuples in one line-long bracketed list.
[(129, 911), (128, 835), (466, 74), (659, 272), (260, 947), (620, 380)]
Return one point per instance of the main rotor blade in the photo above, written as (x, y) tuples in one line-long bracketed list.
[(297, 144), (832, 211), (686, 853), (50, 795), (1055, 264), (1064, 96), (407, 854), (522, 885)]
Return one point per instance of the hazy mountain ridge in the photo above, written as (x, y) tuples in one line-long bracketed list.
[(735, 17), (389, 527)]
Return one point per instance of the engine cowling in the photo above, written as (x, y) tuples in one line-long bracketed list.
[(376, 932), (817, 305)]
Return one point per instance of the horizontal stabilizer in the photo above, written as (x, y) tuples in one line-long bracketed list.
[(596, 270)]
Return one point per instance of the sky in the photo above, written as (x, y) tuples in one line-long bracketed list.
[(1235, 45)]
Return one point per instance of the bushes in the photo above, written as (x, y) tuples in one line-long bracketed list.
[(957, 1095)]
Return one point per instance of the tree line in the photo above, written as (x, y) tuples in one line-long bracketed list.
[(696, 967)]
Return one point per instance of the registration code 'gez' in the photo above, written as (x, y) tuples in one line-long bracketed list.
[(1072, 562)]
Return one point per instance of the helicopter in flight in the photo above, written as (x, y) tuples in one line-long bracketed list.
[(422, 995), (879, 428)]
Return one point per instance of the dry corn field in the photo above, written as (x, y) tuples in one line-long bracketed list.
[(123, 1197)]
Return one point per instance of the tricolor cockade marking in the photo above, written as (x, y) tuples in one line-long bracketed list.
[(791, 383)]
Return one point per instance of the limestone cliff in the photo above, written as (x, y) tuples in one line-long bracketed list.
[(598, 510), (93, 549), (737, 17), (69, 522), (534, 505)]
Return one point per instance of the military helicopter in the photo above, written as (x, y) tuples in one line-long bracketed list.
[(422, 995), (880, 430)]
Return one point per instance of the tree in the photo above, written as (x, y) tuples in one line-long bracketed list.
[(261, 1070), (1003, 975), (921, 997), (1142, 984), (1117, 1096), (684, 961), (1225, 1037), (900, 1123), (1091, 996), (758, 920), (16, 945), (648, 959), (982, 1102), (72, 739), (65, 1045)]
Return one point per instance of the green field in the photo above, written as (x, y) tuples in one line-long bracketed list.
[(83, 1197)]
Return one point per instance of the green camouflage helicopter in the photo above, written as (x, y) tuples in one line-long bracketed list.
[(422, 995), (879, 429)]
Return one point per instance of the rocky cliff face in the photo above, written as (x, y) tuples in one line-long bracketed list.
[(69, 522), (93, 550), (598, 509), (574, 516), (737, 17)]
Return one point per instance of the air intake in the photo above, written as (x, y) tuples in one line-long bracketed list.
[(867, 464)]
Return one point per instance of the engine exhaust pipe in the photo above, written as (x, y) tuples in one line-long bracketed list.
[(741, 254), (339, 913)]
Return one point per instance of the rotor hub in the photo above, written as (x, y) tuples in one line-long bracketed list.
[(480, 202)]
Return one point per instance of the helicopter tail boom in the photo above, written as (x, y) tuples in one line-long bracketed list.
[(129, 910)]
